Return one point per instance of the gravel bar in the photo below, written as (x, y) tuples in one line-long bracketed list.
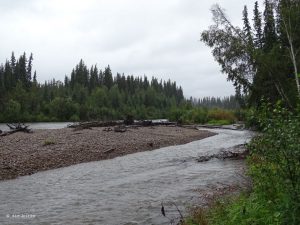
[(24, 154)]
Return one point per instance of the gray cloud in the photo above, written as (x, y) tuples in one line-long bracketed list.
[(156, 38)]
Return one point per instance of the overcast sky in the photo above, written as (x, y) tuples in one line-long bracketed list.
[(156, 38)]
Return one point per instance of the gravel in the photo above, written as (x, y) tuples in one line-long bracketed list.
[(24, 154)]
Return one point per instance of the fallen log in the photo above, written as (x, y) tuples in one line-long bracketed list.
[(89, 125), (120, 129), (225, 127), (107, 129), (16, 127), (238, 152)]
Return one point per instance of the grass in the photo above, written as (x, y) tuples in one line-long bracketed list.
[(49, 142)]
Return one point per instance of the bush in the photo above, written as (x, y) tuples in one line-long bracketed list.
[(218, 114), (199, 115), (274, 167), (219, 122), (275, 164), (74, 118), (13, 111)]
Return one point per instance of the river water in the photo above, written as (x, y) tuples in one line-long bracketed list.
[(42, 125), (124, 190)]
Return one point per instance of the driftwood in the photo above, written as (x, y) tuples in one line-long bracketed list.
[(227, 154), (225, 127), (89, 125), (16, 127), (118, 123), (107, 129), (120, 128), (109, 150)]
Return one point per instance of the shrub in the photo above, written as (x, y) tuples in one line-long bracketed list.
[(219, 122), (218, 114), (274, 167), (74, 118)]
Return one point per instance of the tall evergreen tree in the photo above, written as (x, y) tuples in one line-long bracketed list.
[(107, 77), (21, 70), (269, 38), (34, 78), (2, 83), (9, 81), (100, 78), (28, 71), (13, 62), (247, 27), (258, 40), (93, 83)]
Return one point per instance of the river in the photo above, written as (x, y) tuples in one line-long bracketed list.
[(124, 190), (42, 125)]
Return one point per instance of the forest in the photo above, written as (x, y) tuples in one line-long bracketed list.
[(95, 94)]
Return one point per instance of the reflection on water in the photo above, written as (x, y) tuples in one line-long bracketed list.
[(123, 190)]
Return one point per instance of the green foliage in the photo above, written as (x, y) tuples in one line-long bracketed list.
[(219, 122), (218, 114), (90, 94), (258, 59), (230, 102), (275, 164), (274, 167), (42, 118), (62, 108), (201, 115), (13, 110), (74, 118)]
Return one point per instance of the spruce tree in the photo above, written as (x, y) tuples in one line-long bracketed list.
[(9, 82), (93, 82), (2, 84), (257, 23), (247, 28), (13, 62), (100, 78), (269, 35), (21, 70), (107, 78), (34, 78), (28, 71)]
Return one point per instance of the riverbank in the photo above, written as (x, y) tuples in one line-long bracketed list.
[(24, 154)]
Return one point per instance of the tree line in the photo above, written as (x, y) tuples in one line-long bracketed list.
[(87, 94), (229, 102)]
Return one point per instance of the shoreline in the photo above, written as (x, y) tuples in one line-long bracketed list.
[(25, 154)]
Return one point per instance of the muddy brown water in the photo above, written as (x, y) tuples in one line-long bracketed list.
[(124, 190)]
